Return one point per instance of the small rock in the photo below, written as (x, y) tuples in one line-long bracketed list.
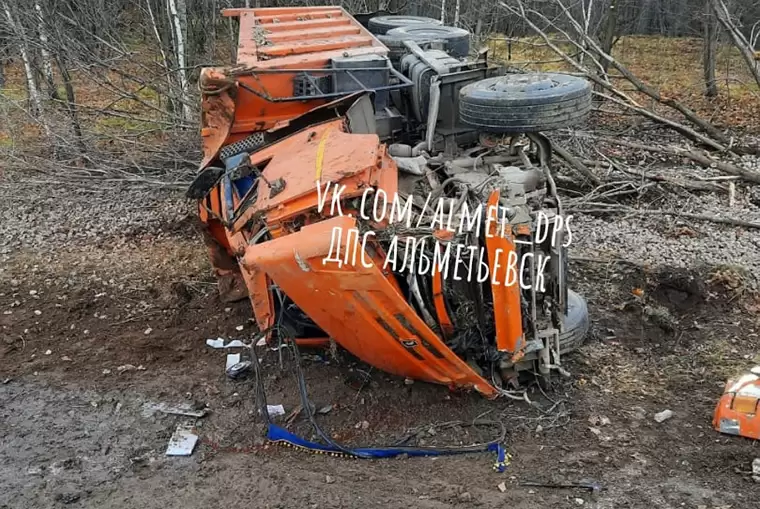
[(106, 371), (756, 470), (37, 312), (465, 497), (66, 358), (147, 331), (48, 352), (329, 479), (579, 501), (663, 416), (239, 328), (227, 310), (408, 381), (502, 487)]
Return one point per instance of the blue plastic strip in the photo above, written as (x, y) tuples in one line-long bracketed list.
[(278, 434)]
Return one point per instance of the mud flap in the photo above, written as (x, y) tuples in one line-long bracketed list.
[(358, 307)]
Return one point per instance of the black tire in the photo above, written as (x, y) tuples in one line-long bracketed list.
[(525, 102), (576, 324), (380, 25), (456, 40)]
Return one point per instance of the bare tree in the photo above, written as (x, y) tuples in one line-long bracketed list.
[(26, 57), (709, 50), (740, 41)]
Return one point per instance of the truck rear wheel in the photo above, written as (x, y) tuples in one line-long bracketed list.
[(456, 40), (379, 25), (524, 103)]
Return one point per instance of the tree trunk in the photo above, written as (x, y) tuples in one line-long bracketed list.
[(709, 50), (71, 105), (443, 11), (741, 42), (47, 66), (610, 31), (34, 94), (181, 60)]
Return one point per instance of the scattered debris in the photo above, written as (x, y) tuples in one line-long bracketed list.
[(408, 381), (599, 420), (106, 371), (362, 425), (579, 501), (232, 359), (465, 497), (502, 487), (187, 409), (663, 416), (148, 331), (325, 410), (219, 343), (130, 367), (239, 369), (182, 441), (66, 358), (756, 470), (240, 328), (329, 479), (275, 410), (592, 486), (639, 413), (261, 342)]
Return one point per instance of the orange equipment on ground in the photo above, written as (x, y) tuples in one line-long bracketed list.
[(738, 411), (321, 140)]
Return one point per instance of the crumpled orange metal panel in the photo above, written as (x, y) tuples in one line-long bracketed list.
[(358, 307), (506, 299), (325, 152), (738, 411)]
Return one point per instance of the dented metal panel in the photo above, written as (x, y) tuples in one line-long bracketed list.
[(352, 302)]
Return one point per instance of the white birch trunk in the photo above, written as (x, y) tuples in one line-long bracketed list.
[(181, 61), (34, 94), (443, 11), (47, 66), (456, 13)]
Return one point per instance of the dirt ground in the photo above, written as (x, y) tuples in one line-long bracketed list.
[(97, 326)]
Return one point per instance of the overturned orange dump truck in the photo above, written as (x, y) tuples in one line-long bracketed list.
[(373, 184)]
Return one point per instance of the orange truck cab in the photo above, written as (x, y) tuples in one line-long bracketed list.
[(378, 187)]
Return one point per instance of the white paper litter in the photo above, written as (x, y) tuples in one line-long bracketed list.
[(182, 441), (275, 410), (232, 359), (219, 343), (261, 342)]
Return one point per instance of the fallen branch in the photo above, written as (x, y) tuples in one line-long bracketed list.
[(695, 155), (576, 163), (645, 212)]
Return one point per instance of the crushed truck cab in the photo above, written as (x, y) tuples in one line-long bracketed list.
[(398, 202)]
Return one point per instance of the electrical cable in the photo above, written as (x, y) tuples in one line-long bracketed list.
[(280, 435)]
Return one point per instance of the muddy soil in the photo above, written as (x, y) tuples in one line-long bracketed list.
[(96, 328)]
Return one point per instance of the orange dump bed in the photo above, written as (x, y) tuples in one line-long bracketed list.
[(281, 38), (280, 51)]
